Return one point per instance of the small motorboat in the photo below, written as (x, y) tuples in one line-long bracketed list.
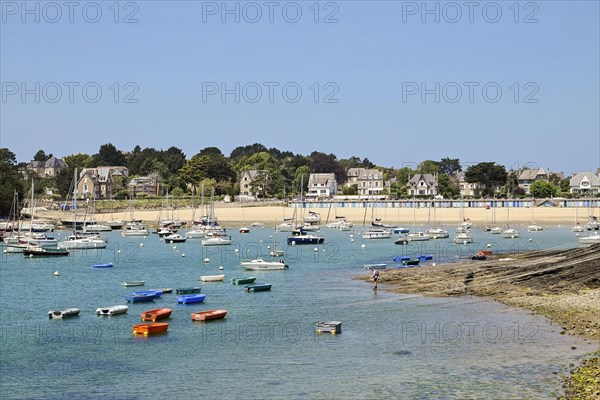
[(259, 264), (212, 278), (190, 298), (136, 298), (426, 257), (39, 251), (155, 315), (485, 252), (243, 280), (112, 310), (209, 315), (244, 229), (258, 287), (103, 265), (401, 240), (411, 262), (65, 313), (479, 257), (133, 283), (157, 293), (189, 290), (174, 238), (332, 327), (150, 329), (401, 258)]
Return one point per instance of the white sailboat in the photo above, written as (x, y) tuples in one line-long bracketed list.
[(534, 227), (577, 226)]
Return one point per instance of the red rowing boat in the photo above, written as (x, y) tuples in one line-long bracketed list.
[(150, 329), (155, 315), (208, 315)]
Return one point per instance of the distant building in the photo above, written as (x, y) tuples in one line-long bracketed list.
[(422, 185), (368, 181), (250, 182), (46, 169), (585, 183), (144, 184), (321, 185), (528, 176), (97, 183), (468, 189)]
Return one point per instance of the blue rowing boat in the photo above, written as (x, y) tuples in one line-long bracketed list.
[(156, 293), (190, 298), (105, 265)]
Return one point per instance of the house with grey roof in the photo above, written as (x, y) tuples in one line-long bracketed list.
[(584, 183), (528, 176), (368, 181), (422, 185), (97, 183), (250, 182), (321, 185), (47, 169), (144, 184)]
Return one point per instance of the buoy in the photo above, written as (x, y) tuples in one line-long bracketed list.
[(465, 242), (433, 264), (352, 240), (118, 251), (236, 251), (363, 245), (56, 273), (141, 244), (270, 236), (174, 247), (206, 260), (182, 254), (145, 237), (260, 241), (489, 245), (31, 256), (220, 268), (351, 235), (315, 249), (4, 251), (293, 242), (531, 240), (268, 247)]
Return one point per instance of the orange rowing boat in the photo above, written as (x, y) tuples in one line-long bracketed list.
[(150, 329), (155, 315), (208, 315)]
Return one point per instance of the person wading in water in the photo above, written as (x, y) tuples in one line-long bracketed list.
[(375, 278)]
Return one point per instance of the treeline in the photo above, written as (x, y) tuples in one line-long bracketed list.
[(280, 171)]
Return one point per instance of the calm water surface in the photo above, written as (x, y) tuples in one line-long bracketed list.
[(392, 346)]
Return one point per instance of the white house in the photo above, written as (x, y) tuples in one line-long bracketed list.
[(368, 181), (422, 185), (321, 185), (584, 183)]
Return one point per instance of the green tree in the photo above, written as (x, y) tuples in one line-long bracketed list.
[(10, 181), (542, 188), (351, 190), (450, 166), (41, 156), (447, 186), (301, 176), (428, 167), (327, 163), (489, 174), (79, 161), (201, 167)]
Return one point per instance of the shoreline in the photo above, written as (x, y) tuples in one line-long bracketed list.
[(563, 286), (234, 215)]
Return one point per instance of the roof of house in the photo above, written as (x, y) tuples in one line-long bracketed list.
[(577, 178), (317, 179), (52, 162), (102, 174), (365, 173), (531, 174), (253, 173), (428, 178)]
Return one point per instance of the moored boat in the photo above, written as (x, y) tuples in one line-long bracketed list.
[(38, 251), (418, 236), (332, 327), (595, 238), (411, 262), (463, 238), (112, 310), (209, 315), (212, 278), (259, 264), (103, 265), (190, 298), (155, 315), (259, 287), (157, 293), (65, 313), (133, 283), (244, 229), (165, 290), (188, 290), (174, 238), (510, 233), (376, 266), (137, 298), (150, 329), (243, 280)]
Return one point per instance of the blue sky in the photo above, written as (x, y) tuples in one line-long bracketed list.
[(361, 78)]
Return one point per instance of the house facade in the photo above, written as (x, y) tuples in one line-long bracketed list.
[(248, 182), (368, 181), (528, 176), (144, 184), (422, 185), (321, 185), (46, 169), (584, 183), (468, 189), (97, 183)]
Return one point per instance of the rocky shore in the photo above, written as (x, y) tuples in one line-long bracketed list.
[(563, 285)]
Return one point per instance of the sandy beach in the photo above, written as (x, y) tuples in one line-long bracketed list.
[(235, 215)]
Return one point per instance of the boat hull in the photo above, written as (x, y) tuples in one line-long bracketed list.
[(244, 280), (209, 315), (150, 329), (155, 315), (190, 298), (258, 288), (112, 310), (212, 278), (66, 313)]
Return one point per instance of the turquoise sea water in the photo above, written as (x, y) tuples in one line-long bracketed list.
[(392, 346)]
